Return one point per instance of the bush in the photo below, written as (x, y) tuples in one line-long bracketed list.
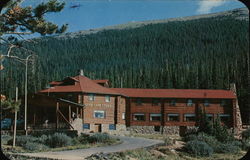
[(59, 140), (246, 134), (5, 139), (227, 148), (198, 148), (168, 141), (83, 138), (245, 144), (43, 139), (100, 138), (22, 140), (33, 146)]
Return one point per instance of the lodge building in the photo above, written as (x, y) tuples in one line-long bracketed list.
[(87, 105)]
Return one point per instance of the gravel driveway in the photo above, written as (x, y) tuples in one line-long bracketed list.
[(129, 143)]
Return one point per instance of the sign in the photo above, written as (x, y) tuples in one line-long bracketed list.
[(99, 105)]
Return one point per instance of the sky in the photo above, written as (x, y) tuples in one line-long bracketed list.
[(91, 14)]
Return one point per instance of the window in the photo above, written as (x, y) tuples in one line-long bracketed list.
[(80, 99), (99, 114), (206, 102), (223, 102), (225, 118), (173, 102), (91, 97), (139, 117), (138, 102), (189, 102), (209, 117), (155, 117), (155, 102), (123, 115), (107, 98), (112, 127), (157, 128), (173, 117), (86, 126), (189, 117)]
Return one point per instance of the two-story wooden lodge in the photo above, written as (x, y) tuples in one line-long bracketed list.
[(91, 106)]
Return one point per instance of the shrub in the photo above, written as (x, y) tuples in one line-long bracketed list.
[(83, 138), (22, 140), (245, 144), (190, 137), (168, 141), (100, 138), (33, 146), (198, 148), (43, 139), (5, 139), (246, 134), (227, 148), (221, 133), (58, 140)]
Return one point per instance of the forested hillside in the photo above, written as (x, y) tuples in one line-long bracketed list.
[(196, 53)]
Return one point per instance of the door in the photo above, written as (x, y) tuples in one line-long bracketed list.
[(98, 127)]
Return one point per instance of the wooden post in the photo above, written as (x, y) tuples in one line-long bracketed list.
[(69, 113), (14, 136), (57, 116), (81, 113), (77, 112)]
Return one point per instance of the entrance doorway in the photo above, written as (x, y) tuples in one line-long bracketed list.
[(98, 127)]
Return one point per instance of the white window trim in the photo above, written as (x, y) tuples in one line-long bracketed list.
[(155, 115), (90, 96), (123, 116), (107, 98), (96, 111)]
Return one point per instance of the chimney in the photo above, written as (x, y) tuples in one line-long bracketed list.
[(81, 72), (233, 88)]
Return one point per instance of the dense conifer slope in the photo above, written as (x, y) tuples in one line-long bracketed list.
[(199, 52)]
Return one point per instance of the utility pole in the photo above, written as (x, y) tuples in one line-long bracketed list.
[(26, 94), (14, 136)]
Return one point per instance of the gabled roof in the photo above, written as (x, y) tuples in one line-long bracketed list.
[(82, 84), (175, 93), (101, 80)]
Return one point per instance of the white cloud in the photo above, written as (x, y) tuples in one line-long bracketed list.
[(205, 6)]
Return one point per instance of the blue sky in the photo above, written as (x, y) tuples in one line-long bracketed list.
[(100, 13)]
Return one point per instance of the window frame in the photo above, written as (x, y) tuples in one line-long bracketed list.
[(112, 127), (109, 98), (172, 102), (190, 104), (185, 115), (159, 115), (123, 115), (139, 114), (90, 96), (104, 114), (84, 126), (138, 102), (206, 103), (156, 102), (175, 115)]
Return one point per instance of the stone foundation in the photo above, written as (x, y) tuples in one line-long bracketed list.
[(170, 130), (120, 129)]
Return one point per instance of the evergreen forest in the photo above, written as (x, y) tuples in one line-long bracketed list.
[(206, 53)]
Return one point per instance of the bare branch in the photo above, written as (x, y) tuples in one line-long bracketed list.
[(19, 33)]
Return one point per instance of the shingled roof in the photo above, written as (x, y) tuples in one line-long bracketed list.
[(176, 93), (82, 84)]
